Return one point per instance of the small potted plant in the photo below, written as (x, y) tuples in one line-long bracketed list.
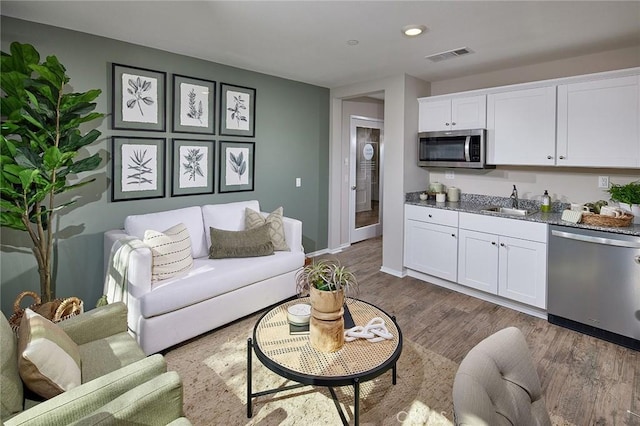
[(628, 196), (326, 282)]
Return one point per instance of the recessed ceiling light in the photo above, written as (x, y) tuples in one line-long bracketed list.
[(353, 42), (413, 30)]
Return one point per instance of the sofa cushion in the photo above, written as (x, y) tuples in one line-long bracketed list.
[(212, 277), (247, 243), (229, 216), (49, 361), (171, 251), (102, 356), (254, 219), (137, 225), (11, 388)]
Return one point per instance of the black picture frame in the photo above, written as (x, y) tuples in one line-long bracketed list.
[(237, 110), (192, 176), (137, 168), (232, 175), (138, 98), (193, 105)]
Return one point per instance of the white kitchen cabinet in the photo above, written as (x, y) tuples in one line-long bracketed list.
[(599, 123), (521, 127), (431, 242), (458, 113), (506, 257)]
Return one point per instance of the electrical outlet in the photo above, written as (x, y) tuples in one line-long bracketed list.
[(603, 182), (449, 174)]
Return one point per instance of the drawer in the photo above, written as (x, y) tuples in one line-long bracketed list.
[(515, 228), (431, 215)]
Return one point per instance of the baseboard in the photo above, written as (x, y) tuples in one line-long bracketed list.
[(516, 306), (317, 253), (395, 273)]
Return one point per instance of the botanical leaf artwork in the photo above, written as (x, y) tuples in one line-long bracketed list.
[(194, 105), (238, 110), (139, 168), (237, 166), (193, 166), (139, 96)]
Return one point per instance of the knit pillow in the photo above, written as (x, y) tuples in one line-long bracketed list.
[(49, 361), (247, 243), (171, 251), (254, 219)]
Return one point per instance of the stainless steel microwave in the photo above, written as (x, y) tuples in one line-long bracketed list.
[(453, 148)]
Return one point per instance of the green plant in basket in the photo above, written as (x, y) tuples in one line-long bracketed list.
[(39, 148), (628, 194)]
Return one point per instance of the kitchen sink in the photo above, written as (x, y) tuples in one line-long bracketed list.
[(507, 211)]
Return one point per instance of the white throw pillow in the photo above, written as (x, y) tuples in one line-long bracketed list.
[(171, 251), (49, 361)]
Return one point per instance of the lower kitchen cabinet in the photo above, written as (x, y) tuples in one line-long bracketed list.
[(513, 268), (431, 241)]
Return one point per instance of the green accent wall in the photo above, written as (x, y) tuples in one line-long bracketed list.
[(291, 139)]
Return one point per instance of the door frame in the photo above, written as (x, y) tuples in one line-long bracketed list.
[(375, 230)]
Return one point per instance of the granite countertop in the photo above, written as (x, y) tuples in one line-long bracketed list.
[(475, 203)]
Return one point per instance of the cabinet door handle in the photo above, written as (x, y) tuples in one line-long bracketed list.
[(549, 157), (454, 235), (637, 259), (501, 244), (493, 243), (453, 123), (430, 216), (562, 157)]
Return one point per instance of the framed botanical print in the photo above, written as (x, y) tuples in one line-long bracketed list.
[(192, 167), (237, 110), (137, 168), (138, 98), (237, 165), (193, 105)]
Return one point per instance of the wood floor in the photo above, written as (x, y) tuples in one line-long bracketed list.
[(586, 381)]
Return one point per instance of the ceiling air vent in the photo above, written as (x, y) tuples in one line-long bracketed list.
[(449, 54)]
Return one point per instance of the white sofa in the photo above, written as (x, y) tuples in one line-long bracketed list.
[(212, 293)]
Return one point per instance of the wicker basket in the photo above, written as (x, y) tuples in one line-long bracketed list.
[(607, 221), (56, 310)]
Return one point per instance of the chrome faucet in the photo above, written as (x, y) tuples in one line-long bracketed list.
[(514, 197)]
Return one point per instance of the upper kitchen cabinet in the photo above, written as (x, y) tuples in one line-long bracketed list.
[(599, 123), (457, 113), (521, 127)]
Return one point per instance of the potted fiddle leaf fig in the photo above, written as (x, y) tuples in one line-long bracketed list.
[(40, 148)]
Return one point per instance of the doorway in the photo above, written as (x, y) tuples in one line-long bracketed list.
[(365, 199)]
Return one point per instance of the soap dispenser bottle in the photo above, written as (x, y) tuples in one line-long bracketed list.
[(546, 202)]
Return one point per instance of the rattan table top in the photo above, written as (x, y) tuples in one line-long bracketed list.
[(293, 356)]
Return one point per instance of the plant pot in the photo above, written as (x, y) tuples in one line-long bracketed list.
[(326, 326)]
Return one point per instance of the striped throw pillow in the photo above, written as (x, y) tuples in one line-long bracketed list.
[(49, 361), (171, 251)]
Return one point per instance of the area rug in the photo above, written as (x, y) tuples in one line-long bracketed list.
[(213, 370)]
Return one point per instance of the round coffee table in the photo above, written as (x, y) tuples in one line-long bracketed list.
[(293, 357)]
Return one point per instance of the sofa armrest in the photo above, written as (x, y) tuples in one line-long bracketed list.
[(155, 402), (83, 400), (293, 233), (140, 262), (96, 324)]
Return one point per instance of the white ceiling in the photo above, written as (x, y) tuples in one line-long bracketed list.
[(307, 40)]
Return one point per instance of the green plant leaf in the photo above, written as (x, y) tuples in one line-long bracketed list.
[(12, 221), (26, 177), (52, 158)]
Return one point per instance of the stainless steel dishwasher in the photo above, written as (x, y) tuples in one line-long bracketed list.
[(594, 283)]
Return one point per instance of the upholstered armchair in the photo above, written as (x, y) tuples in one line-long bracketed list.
[(497, 384), (119, 384)]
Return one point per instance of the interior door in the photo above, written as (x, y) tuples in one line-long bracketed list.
[(365, 201)]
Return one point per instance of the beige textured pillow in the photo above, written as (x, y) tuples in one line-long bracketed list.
[(247, 243), (253, 219), (49, 361), (171, 251)]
